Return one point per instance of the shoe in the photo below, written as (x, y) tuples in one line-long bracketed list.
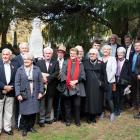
[(101, 116), (24, 133), (112, 117), (68, 123), (78, 124), (137, 116), (9, 132), (49, 122), (41, 124), (117, 113), (33, 130), (93, 121)]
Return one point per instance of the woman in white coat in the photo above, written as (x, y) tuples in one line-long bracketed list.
[(111, 66)]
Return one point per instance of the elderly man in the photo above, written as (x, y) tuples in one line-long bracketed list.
[(129, 47), (114, 45), (23, 48), (8, 71), (50, 71)]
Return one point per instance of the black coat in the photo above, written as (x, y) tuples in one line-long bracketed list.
[(52, 78), (95, 79), (18, 60), (3, 79), (125, 75)]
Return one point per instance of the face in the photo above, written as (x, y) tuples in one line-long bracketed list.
[(80, 55), (73, 55), (24, 49), (6, 56), (96, 46), (27, 62), (127, 41), (92, 56), (106, 52), (113, 40), (137, 47), (47, 54), (60, 54), (120, 55)]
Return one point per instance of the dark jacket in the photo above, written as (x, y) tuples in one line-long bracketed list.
[(53, 72), (125, 75), (3, 80)]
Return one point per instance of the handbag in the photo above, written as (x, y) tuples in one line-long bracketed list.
[(114, 87), (61, 87)]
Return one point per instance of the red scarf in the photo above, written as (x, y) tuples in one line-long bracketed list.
[(76, 72)]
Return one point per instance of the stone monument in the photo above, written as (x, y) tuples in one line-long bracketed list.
[(36, 39)]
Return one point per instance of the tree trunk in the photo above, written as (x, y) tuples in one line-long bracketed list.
[(3, 38)]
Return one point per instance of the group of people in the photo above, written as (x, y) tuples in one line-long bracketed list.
[(59, 88)]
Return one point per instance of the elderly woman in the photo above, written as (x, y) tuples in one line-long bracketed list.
[(110, 66), (73, 75), (29, 90), (95, 80), (80, 52), (122, 79)]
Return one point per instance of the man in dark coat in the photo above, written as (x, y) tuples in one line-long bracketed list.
[(50, 71), (136, 77), (7, 93)]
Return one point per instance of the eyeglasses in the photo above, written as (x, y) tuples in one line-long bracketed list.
[(92, 53)]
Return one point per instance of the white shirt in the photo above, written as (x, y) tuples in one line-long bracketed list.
[(128, 51), (7, 69), (47, 64), (113, 50)]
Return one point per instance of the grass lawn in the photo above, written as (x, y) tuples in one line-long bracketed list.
[(124, 128)]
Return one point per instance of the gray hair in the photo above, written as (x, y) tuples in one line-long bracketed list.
[(78, 47), (48, 48), (7, 50), (121, 49), (93, 50), (28, 56), (23, 44)]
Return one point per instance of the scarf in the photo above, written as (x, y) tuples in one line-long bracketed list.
[(76, 72)]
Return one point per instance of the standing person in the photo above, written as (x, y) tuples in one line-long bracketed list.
[(29, 90), (113, 42), (58, 100), (129, 47), (50, 70), (7, 93), (96, 45), (23, 48), (80, 52), (73, 74), (123, 76), (136, 78), (18, 61), (95, 80), (111, 67)]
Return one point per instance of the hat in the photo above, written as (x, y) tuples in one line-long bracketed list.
[(61, 47)]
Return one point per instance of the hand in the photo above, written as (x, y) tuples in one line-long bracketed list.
[(8, 88), (40, 96), (19, 98), (138, 77)]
